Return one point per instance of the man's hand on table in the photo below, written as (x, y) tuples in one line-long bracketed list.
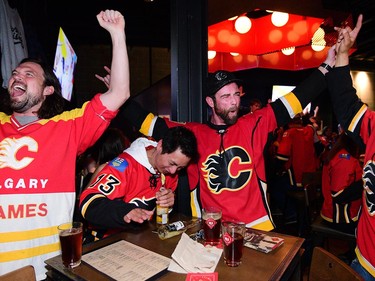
[(138, 215)]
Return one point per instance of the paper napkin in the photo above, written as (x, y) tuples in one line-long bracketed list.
[(191, 256)]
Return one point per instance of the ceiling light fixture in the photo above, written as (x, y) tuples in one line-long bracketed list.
[(288, 51), (318, 46), (242, 24), (211, 55), (317, 42), (279, 19), (234, 54), (318, 35)]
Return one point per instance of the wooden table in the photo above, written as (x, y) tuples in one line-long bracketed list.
[(280, 264)]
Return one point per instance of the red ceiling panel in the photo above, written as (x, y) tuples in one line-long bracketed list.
[(261, 46)]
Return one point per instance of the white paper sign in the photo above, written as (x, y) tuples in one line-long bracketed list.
[(63, 67)]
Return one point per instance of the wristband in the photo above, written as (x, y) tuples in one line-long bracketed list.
[(326, 66)]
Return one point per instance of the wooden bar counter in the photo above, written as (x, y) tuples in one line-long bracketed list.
[(281, 264)]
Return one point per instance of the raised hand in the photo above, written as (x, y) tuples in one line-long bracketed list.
[(111, 20), (345, 41), (105, 79), (119, 83)]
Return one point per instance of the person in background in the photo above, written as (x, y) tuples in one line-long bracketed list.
[(297, 150), (255, 104), (342, 187), (124, 193), (326, 140), (295, 156), (39, 144), (107, 147), (357, 119)]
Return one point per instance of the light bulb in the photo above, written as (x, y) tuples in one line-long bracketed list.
[(318, 46), (318, 35), (242, 24), (279, 19), (288, 51), (211, 55)]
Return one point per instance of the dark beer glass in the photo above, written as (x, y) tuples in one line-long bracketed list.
[(70, 235), (211, 225), (233, 240)]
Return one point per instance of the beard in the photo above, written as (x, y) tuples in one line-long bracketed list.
[(224, 114), (23, 105)]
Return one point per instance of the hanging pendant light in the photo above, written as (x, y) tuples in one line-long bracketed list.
[(288, 51), (279, 19), (242, 24), (211, 55), (318, 46), (317, 42)]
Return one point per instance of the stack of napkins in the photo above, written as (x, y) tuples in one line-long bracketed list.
[(191, 256)]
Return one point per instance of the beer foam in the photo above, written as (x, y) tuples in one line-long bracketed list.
[(70, 232), (211, 215)]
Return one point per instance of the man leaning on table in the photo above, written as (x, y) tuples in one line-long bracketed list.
[(124, 193)]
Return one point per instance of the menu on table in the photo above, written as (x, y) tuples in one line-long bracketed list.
[(125, 261)]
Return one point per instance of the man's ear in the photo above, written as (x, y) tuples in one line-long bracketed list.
[(210, 101), (48, 90), (159, 145)]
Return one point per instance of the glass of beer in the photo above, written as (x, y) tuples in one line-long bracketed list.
[(233, 241), (211, 225), (70, 234)]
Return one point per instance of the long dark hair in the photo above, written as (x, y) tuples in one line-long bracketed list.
[(111, 143), (54, 104)]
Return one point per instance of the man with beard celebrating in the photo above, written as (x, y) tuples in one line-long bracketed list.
[(39, 144)]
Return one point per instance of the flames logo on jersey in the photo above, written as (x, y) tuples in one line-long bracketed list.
[(230, 172), (369, 181), (9, 148), (144, 203)]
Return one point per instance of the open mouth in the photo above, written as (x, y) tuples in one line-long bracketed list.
[(18, 89), (233, 111)]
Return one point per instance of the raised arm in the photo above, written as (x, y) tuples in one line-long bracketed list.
[(345, 41), (348, 108), (119, 89)]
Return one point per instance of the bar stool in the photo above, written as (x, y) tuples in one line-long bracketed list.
[(326, 266), (21, 274), (308, 201)]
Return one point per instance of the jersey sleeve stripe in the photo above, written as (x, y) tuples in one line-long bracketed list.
[(292, 104), (148, 124), (88, 202), (357, 118)]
